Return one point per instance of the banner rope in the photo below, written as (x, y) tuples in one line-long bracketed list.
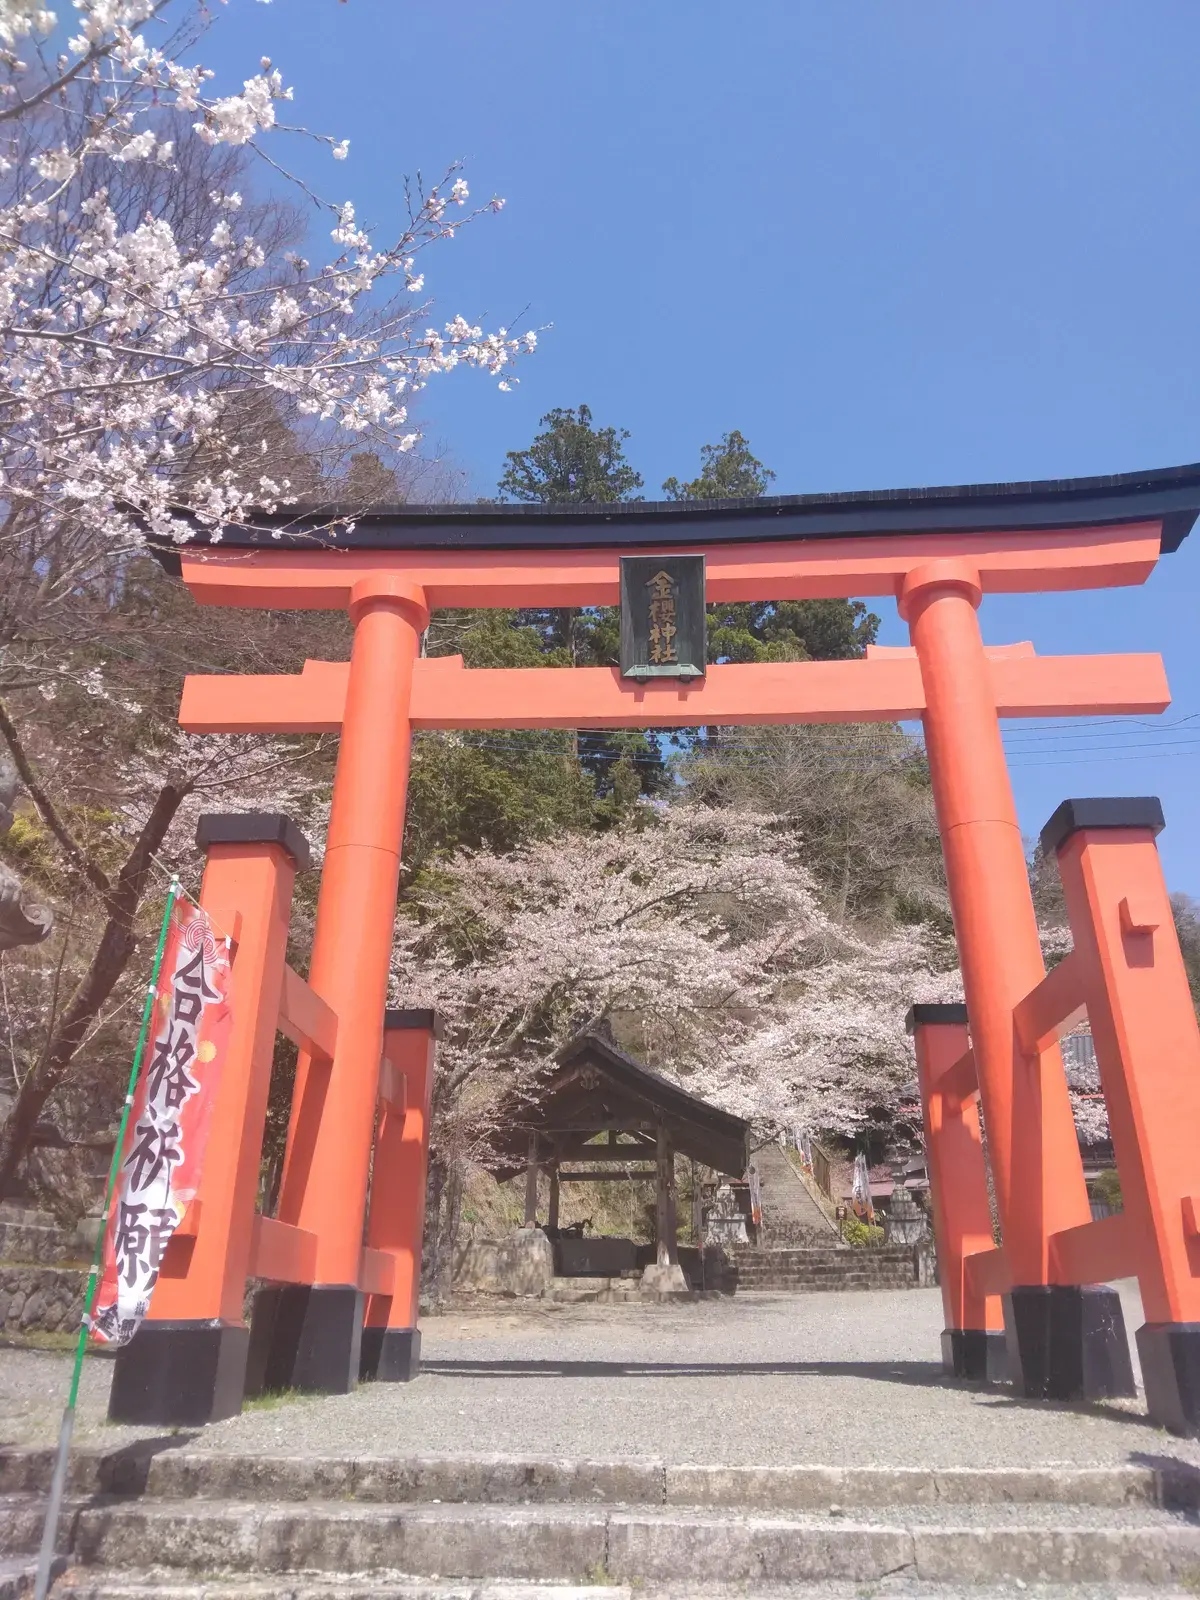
[(59, 1480)]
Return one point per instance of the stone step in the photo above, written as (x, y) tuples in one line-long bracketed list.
[(82, 1585), (637, 1545), (769, 1280), (824, 1275), (848, 1280), (848, 1263), (176, 1473), (820, 1275), (803, 1286), (79, 1585), (609, 1291), (879, 1252), (860, 1275)]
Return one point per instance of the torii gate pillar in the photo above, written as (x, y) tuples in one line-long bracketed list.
[(327, 1166), (1035, 1160)]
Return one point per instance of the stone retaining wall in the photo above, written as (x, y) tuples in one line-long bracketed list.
[(37, 1299)]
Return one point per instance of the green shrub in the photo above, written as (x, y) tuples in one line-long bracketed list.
[(861, 1234), (1106, 1187)]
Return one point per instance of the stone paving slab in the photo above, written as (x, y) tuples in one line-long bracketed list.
[(833, 1380)]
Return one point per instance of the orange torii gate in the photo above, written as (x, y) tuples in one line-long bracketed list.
[(344, 1249)]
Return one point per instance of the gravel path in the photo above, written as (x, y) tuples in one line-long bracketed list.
[(833, 1379)]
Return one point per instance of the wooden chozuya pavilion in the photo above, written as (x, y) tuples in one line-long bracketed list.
[(596, 1092), (340, 1261)]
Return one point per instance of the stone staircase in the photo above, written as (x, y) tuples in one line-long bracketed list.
[(795, 1271), (164, 1520), (791, 1218)]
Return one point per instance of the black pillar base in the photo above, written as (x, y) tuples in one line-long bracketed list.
[(390, 1355), (304, 1337), (1170, 1356), (974, 1354), (1067, 1342), (180, 1374)]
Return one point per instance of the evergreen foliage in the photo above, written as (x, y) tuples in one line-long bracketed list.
[(571, 463), (776, 630), (728, 471)]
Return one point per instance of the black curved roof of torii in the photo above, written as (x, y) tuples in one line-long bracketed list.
[(1170, 495)]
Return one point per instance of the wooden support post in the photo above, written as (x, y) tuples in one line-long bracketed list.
[(531, 1183), (973, 1335), (187, 1362), (667, 1248), (554, 1188), (672, 1211)]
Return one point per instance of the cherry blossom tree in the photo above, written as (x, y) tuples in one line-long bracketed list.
[(126, 344), (164, 339), (700, 937), (61, 1004)]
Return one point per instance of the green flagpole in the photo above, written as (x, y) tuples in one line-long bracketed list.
[(58, 1482)]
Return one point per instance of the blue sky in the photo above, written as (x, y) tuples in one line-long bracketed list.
[(893, 244)]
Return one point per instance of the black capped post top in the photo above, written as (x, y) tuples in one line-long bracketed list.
[(1169, 496), (953, 1014), (1104, 811), (431, 1021), (254, 827)]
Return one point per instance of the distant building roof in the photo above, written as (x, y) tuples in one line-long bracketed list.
[(595, 1087)]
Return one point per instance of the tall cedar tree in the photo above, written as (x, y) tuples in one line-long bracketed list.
[(769, 630), (572, 462)]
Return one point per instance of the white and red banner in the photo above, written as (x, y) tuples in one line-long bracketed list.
[(860, 1196), (169, 1121)]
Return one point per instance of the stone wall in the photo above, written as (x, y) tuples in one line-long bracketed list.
[(37, 1299)]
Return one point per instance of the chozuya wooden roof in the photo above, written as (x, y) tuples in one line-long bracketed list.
[(1168, 495), (595, 1087)]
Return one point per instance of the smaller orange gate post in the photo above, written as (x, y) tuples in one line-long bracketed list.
[(973, 1339), (391, 1339), (1131, 976), (187, 1362)]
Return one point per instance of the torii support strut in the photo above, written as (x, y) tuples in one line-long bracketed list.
[(1126, 974), (973, 1336)]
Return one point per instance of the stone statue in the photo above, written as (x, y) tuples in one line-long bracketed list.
[(22, 921)]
